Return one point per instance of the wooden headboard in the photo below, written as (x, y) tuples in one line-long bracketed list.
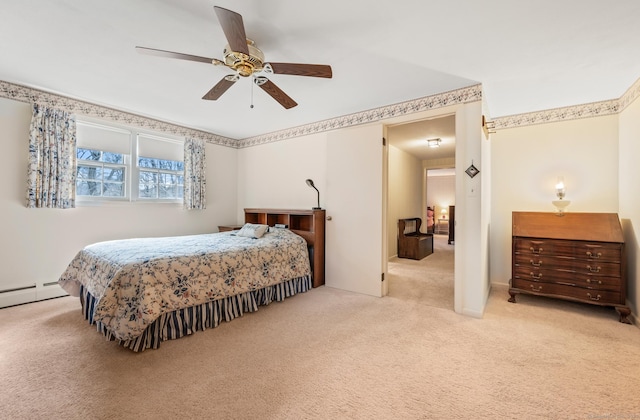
[(309, 224)]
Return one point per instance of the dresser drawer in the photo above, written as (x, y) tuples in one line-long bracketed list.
[(598, 282), (545, 262), (597, 268), (580, 266), (559, 277), (587, 281), (605, 297), (548, 275), (532, 247), (599, 252), (544, 247)]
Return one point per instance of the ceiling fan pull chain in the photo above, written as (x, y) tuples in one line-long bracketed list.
[(254, 79)]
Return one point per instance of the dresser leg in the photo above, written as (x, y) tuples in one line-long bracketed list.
[(513, 294), (624, 314)]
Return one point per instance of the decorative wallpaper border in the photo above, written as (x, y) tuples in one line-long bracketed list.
[(595, 109), (441, 100), (31, 95), (630, 95)]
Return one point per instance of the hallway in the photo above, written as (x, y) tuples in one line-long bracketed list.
[(429, 281)]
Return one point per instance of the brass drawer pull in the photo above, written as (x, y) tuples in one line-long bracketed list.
[(593, 298), (594, 256), (536, 289), (533, 276), (536, 251), (594, 281), (536, 265), (593, 270)]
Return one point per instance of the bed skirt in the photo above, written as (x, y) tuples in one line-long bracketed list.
[(186, 321)]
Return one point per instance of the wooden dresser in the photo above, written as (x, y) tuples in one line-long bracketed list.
[(577, 256)]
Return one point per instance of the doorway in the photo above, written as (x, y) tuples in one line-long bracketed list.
[(412, 166)]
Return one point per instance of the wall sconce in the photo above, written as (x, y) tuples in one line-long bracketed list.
[(310, 183), (561, 204), (443, 212), (434, 142)]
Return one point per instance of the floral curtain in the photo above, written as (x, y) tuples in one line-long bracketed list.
[(51, 174), (194, 174)]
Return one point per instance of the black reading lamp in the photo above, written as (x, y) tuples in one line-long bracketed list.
[(310, 183)]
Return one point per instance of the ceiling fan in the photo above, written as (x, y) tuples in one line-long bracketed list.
[(242, 55)]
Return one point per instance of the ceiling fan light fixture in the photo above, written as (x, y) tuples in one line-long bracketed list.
[(243, 57), (434, 142), (244, 64)]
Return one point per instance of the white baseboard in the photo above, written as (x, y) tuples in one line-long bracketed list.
[(18, 297)]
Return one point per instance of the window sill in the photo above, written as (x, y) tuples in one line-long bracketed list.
[(125, 203)]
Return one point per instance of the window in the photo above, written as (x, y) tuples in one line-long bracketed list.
[(160, 168), (125, 165), (160, 178), (100, 173)]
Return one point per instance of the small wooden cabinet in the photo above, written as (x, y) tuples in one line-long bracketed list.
[(411, 242), (310, 224), (577, 256)]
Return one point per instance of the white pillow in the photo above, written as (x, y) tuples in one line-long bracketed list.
[(251, 230)]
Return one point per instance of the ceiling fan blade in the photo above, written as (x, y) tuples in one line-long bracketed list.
[(275, 92), (220, 88), (233, 29), (171, 54), (314, 70)]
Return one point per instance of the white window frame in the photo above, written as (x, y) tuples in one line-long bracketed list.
[(125, 166), (131, 168), (138, 169)]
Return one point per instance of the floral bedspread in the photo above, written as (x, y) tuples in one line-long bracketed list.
[(134, 281)]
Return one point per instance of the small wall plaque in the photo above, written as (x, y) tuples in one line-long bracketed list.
[(472, 170)]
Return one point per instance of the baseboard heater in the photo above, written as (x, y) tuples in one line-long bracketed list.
[(15, 289)]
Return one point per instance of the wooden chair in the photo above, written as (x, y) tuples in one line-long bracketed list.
[(411, 242)]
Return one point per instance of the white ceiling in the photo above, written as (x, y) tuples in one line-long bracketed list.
[(412, 137), (529, 56)]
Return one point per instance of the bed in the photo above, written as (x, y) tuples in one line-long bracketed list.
[(143, 291), (431, 219)]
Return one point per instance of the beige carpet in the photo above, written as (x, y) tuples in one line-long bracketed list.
[(330, 354), (428, 281)]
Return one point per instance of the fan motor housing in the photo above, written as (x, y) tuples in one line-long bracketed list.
[(244, 64)]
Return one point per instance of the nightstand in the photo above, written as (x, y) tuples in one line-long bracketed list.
[(442, 226), (226, 228)]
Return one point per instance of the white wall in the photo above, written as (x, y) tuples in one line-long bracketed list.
[(629, 196), (273, 175), (405, 194), (441, 192), (525, 164), (37, 244), (471, 271)]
